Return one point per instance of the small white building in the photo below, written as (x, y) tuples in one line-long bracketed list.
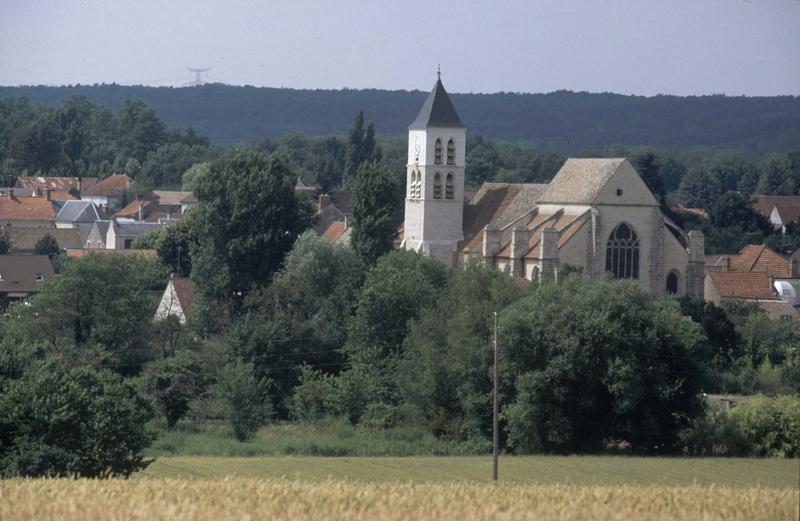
[(177, 300)]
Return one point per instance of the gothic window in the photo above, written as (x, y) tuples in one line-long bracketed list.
[(449, 189), (672, 283), (437, 158), (451, 152), (622, 253), (437, 186), (418, 185)]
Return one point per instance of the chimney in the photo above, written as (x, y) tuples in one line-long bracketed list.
[(11, 195), (491, 241), (324, 201), (79, 184), (140, 210), (795, 268), (726, 264), (48, 193)]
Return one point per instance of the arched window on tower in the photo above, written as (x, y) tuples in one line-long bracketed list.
[(622, 253), (418, 185), (449, 188), (437, 186), (437, 150), (673, 283), (451, 152)]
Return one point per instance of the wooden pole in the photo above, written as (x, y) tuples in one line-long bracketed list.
[(495, 412)]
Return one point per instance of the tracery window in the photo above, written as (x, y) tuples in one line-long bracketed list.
[(449, 188), (437, 158), (451, 152), (437, 186), (622, 253), (414, 186)]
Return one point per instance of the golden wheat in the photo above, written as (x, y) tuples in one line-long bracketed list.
[(250, 499)]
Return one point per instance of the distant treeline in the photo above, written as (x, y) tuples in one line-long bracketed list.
[(563, 121)]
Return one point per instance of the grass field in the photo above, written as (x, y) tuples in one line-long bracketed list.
[(251, 499), (545, 470)]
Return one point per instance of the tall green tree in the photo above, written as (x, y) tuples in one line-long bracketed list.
[(247, 219), (376, 211), (139, 130), (360, 147)]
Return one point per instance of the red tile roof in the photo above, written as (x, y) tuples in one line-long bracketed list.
[(743, 285), (57, 183), (184, 288), (788, 206), (758, 257), (111, 186), (132, 210), (775, 309), (26, 208), (335, 230)]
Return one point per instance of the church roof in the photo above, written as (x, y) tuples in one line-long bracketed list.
[(580, 180), (437, 111)]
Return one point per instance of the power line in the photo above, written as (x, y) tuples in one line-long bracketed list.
[(198, 76)]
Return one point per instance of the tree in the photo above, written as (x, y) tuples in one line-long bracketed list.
[(98, 301), (192, 174), (735, 209), (174, 249), (699, 189), (302, 317), (5, 246), (592, 363), (139, 130), (172, 383), (376, 212), (247, 219), (47, 245), (775, 179), (245, 398), (360, 147), (56, 422), (649, 167)]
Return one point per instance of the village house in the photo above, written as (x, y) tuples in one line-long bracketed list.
[(24, 240), (596, 215), (779, 209), (109, 193), (177, 300), (26, 212), (174, 202), (22, 275), (80, 215), (58, 184)]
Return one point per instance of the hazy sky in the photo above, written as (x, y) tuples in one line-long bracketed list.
[(632, 47)]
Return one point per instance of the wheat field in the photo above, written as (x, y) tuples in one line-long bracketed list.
[(256, 499)]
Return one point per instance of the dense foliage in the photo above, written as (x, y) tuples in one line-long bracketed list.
[(567, 122)]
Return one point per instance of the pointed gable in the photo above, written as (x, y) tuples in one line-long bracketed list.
[(437, 111), (598, 181)]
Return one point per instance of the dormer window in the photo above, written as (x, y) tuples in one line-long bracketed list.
[(437, 158), (39, 277)]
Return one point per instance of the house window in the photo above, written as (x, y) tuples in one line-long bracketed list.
[(437, 186), (451, 152), (619, 191), (39, 276), (672, 283), (437, 158), (622, 253), (449, 189), (127, 244)]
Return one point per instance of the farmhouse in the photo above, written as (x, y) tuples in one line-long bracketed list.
[(596, 214)]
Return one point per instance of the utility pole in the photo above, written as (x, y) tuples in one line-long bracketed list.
[(198, 77), (495, 433)]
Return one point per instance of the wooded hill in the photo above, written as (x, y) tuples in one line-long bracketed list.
[(562, 121)]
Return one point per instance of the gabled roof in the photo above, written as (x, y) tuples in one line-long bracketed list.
[(18, 273), (437, 111), (57, 183), (758, 257), (580, 181), (132, 210), (189, 199), (776, 309), (334, 231), (79, 212), (742, 285), (788, 206), (184, 289), (25, 239), (170, 197), (497, 204), (111, 186), (26, 208), (134, 229)]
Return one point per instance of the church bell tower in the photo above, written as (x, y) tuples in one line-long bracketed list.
[(435, 179)]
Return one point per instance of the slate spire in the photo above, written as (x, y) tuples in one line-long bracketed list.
[(437, 111)]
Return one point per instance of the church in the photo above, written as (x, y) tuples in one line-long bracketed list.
[(596, 215)]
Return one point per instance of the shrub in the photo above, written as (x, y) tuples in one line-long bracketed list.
[(244, 395), (172, 383), (716, 434), (772, 424), (56, 422), (311, 399)]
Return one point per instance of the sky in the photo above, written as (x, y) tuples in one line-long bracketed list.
[(645, 47)]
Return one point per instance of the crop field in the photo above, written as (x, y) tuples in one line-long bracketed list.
[(253, 499)]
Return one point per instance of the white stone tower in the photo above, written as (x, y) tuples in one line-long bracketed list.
[(435, 179)]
